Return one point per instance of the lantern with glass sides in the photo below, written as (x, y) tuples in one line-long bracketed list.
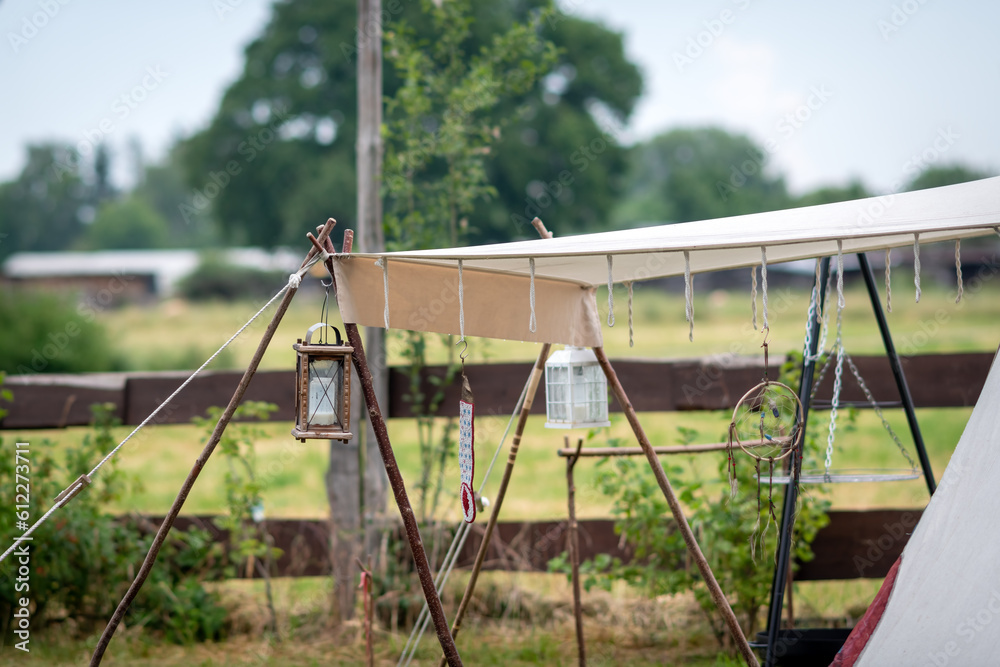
[(322, 388), (576, 390)]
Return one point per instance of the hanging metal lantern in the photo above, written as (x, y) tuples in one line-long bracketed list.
[(576, 390), (322, 388)]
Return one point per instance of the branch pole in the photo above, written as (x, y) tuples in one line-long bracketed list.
[(397, 484), (199, 464), (573, 542), (660, 451), (715, 591)]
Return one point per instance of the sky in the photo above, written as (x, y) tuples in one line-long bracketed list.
[(868, 89)]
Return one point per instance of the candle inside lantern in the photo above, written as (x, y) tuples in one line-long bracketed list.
[(323, 401)]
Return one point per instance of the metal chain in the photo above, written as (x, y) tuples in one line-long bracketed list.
[(878, 411), (839, 372)]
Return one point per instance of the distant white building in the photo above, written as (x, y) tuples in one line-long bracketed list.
[(129, 274)]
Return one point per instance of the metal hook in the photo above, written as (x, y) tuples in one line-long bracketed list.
[(464, 354)]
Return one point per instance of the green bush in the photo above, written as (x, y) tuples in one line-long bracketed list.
[(46, 333), (82, 560), (218, 280)]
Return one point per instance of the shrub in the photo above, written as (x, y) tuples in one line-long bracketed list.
[(46, 333), (83, 559), (216, 279)]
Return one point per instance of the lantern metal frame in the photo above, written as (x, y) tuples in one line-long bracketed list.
[(307, 353), (575, 359)]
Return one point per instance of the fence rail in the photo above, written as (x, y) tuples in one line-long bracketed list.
[(56, 401)]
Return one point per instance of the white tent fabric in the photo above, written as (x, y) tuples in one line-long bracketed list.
[(497, 277), (944, 608)]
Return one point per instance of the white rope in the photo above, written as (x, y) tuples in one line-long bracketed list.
[(384, 263), (888, 280), (753, 296), (958, 269), (27, 534), (763, 286), (532, 322), (461, 305), (611, 292), (631, 342), (916, 263), (451, 557), (688, 296)]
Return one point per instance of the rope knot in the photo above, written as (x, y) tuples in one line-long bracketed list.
[(294, 280)]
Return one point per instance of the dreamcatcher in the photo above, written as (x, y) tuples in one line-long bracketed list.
[(766, 426)]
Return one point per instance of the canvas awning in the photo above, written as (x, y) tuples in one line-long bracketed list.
[(423, 286)]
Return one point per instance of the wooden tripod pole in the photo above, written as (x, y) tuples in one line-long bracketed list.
[(714, 590), (396, 481), (199, 464)]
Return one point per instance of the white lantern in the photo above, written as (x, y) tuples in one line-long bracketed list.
[(576, 391)]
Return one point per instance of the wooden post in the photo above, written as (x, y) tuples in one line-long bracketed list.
[(372, 486), (714, 590), (199, 464), (573, 544)]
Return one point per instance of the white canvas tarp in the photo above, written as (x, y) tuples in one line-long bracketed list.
[(944, 607), (423, 285)]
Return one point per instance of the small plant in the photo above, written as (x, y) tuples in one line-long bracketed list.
[(252, 545), (723, 526)]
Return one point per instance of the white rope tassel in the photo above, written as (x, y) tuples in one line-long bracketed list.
[(611, 292), (753, 296), (461, 305), (763, 286), (958, 269), (532, 322), (688, 296), (294, 280), (840, 275), (888, 280), (631, 343), (384, 263), (916, 264)]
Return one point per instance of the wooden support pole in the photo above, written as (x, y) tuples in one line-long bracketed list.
[(660, 451), (199, 464), (529, 397), (573, 544), (714, 590), (396, 482)]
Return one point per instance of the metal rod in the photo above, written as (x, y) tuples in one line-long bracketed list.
[(715, 591), (573, 544), (783, 556), (897, 373), (199, 464)]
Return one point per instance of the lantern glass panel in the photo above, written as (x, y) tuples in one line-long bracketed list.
[(576, 390), (326, 382)]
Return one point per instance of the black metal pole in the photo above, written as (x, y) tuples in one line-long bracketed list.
[(897, 373), (792, 491)]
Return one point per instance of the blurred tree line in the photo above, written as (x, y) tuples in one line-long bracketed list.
[(279, 154)]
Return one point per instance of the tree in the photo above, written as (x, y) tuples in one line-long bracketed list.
[(129, 223), (834, 193), (280, 150), (44, 208), (697, 174), (933, 177)]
